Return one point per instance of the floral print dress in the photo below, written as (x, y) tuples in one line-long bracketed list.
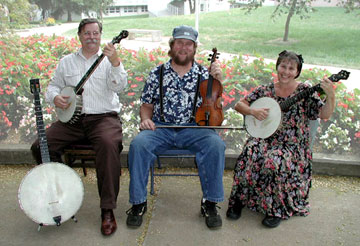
[(273, 175)]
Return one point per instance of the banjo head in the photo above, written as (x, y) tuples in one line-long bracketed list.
[(49, 190), (65, 115), (264, 128)]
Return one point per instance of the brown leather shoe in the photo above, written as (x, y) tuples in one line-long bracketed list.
[(108, 225)]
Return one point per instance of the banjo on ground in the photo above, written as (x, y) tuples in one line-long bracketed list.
[(73, 112), (266, 128), (50, 193)]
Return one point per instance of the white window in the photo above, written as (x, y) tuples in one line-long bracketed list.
[(144, 9), (129, 9)]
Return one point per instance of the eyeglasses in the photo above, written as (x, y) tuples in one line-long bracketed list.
[(95, 33)]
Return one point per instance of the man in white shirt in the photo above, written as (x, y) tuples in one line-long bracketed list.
[(99, 121)]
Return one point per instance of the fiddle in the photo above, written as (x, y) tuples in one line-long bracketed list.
[(210, 112)]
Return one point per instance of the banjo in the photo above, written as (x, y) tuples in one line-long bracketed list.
[(267, 127), (50, 193), (72, 113)]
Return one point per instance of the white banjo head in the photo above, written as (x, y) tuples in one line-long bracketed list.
[(264, 128), (65, 115), (49, 190)]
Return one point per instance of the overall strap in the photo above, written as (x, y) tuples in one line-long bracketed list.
[(161, 75), (196, 93)]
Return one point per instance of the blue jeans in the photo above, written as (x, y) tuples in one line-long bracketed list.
[(206, 143)]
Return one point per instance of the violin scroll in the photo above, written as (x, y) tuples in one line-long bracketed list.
[(213, 56)]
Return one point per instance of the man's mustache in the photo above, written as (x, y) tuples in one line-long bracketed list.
[(93, 40)]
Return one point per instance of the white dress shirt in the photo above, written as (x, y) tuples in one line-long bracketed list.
[(100, 90)]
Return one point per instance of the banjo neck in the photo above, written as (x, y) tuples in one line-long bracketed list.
[(292, 100), (80, 85), (44, 150), (343, 74)]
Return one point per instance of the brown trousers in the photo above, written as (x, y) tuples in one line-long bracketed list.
[(105, 134)]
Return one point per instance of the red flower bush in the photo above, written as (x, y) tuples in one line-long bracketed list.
[(37, 57)]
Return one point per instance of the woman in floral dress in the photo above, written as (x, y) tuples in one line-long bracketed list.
[(273, 175)]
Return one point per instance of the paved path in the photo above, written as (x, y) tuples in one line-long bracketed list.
[(173, 217), (352, 83)]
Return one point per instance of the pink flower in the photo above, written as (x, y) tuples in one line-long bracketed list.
[(139, 79), (344, 105), (9, 92), (152, 58)]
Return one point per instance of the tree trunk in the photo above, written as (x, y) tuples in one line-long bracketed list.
[(287, 24), (43, 14), (192, 4), (69, 17)]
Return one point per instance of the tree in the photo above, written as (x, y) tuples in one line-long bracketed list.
[(351, 6), (44, 5), (290, 7), (192, 4), (69, 7), (14, 13), (98, 6), (60, 7)]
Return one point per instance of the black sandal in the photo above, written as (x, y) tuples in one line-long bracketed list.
[(234, 211), (271, 221)]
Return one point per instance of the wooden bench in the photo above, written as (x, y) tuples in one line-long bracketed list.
[(79, 151), (156, 35)]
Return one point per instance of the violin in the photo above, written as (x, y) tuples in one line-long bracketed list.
[(210, 112)]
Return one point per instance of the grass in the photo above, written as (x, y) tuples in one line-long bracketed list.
[(328, 37)]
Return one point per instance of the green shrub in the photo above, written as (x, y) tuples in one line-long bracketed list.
[(37, 57)]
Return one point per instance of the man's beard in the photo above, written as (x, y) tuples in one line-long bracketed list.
[(176, 59)]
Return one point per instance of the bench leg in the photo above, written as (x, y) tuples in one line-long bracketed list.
[(152, 179), (83, 167)]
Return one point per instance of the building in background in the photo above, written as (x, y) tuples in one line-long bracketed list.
[(127, 8), (156, 8)]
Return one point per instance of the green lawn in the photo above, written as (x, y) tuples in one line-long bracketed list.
[(328, 37)]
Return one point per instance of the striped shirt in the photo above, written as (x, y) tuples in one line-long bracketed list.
[(100, 90)]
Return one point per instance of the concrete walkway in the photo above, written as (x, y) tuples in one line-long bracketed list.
[(174, 217)]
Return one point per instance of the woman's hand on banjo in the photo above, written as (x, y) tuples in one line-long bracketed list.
[(328, 108), (244, 108), (260, 113), (328, 87), (61, 101)]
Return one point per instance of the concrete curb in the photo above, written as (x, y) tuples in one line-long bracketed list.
[(322, 163)]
